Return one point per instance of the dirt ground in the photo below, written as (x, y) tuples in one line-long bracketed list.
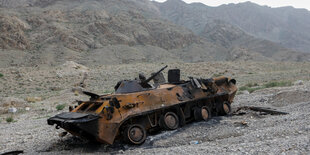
[(250, 133)]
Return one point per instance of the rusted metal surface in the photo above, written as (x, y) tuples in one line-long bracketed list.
[(138, 107)]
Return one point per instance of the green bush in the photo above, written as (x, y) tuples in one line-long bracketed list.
[(243, 88), (60, 106), (1, 75), (251, 87), (9, 119), (277, 84)]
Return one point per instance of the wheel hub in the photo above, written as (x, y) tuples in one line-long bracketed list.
[(170, 121), (136, 134), (226, 108), (205, 114)]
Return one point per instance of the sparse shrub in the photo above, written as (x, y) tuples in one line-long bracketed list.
[(108, 91), (251, 90), (251, 87), (216, 75), (60, 106), (243, 88), (277, 84), (1, 75), (9, 119)]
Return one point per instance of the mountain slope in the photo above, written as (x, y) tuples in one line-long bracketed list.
[(287, 26), (96, 32), (50, 32), (206, 22)]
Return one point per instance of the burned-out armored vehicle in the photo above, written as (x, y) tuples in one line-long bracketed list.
[(138, 107)]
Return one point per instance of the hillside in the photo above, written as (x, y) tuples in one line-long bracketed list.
[(47, 32), (286, 25), (94, 32)]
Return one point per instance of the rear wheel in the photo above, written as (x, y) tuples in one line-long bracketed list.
[(135, 134), (202, 113), (169, 121), (224, 109)]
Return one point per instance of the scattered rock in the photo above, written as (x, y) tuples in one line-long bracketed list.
[(71, 68), (241, 123), (11, 101), (12, 110), (55, 88), (33, 99), (77, 90), (298, 82), (286, 97), (245, 92), (262, 100)]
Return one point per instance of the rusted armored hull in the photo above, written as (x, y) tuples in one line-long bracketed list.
[(130, 115), (79, 124)]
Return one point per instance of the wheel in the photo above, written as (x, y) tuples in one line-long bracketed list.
[(169, 121), (202, 113), (224, 109), (135, 134)]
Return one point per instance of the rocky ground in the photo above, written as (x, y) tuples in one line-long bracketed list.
[(35, 92)]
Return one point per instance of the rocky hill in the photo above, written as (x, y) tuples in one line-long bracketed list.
[(286, 25), (94, 32)]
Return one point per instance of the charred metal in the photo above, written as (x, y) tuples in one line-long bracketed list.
[(138, 107)]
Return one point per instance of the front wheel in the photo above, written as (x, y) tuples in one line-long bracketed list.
[(135, 134)]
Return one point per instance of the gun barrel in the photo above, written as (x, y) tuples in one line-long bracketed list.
[(150, 78)]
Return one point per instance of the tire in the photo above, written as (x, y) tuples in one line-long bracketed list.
[(202, 113), (169, 121), (135, 134), (224, 109)]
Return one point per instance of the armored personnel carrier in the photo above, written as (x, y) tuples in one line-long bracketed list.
[(137, 107)]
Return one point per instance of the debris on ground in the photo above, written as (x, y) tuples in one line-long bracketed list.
[(264, 110)]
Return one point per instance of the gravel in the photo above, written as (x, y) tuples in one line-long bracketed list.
[(251, 133)]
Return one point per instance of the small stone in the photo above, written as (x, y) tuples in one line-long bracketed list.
[(55, 88), (27, 108), (12, 110), (245, 92), (298, 82), (19, 133)]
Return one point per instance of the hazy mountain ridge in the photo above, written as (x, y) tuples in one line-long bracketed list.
[(287, 26)]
